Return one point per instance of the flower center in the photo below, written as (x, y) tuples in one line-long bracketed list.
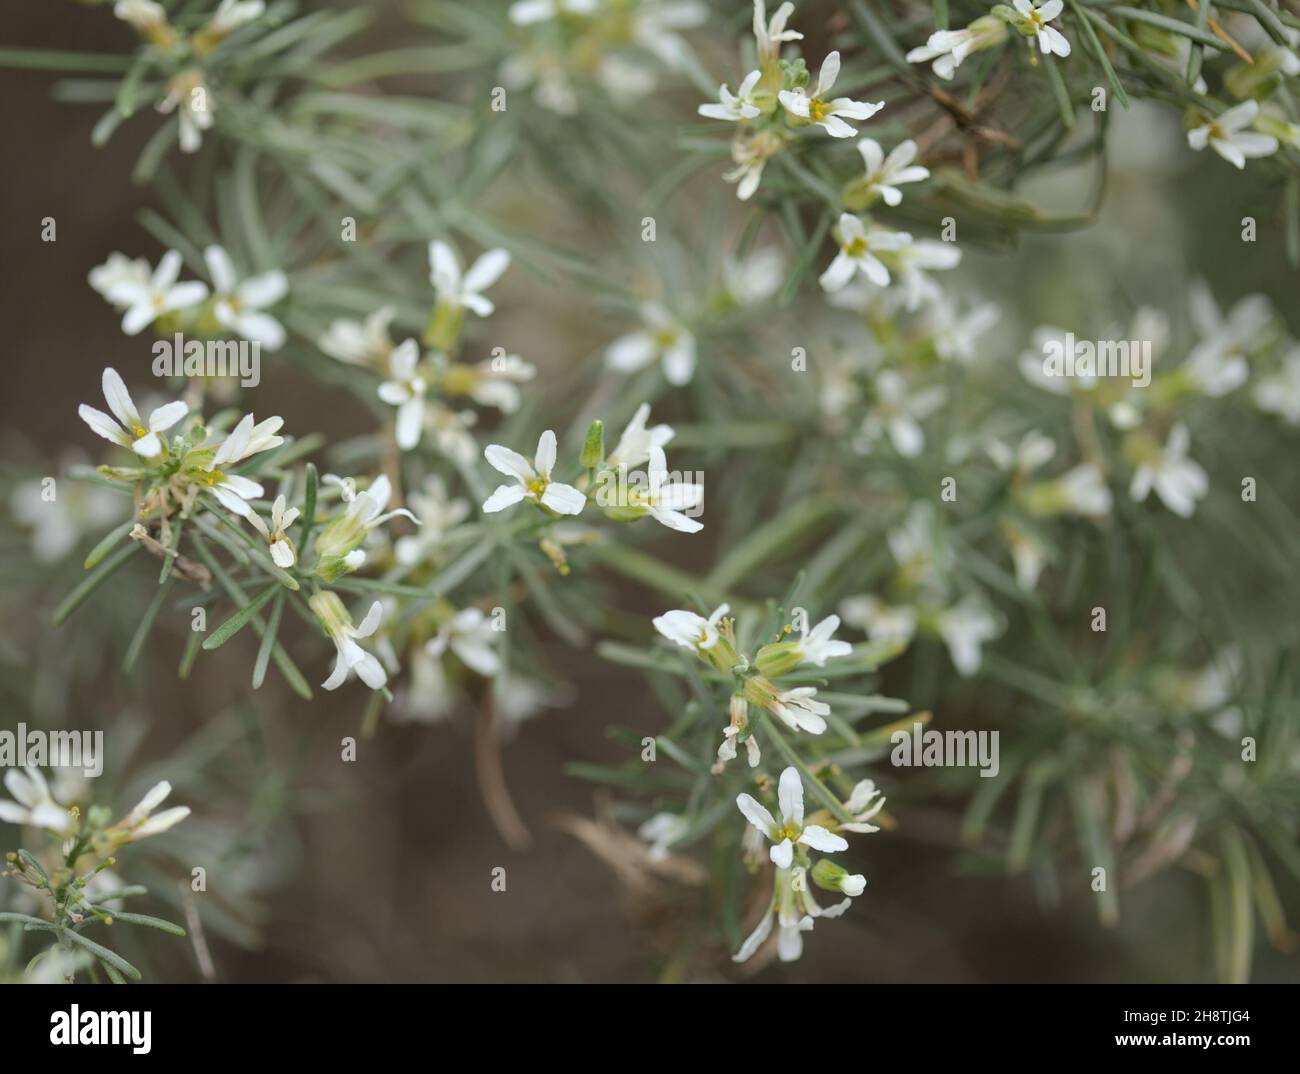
[(855, 247), (818, 109)]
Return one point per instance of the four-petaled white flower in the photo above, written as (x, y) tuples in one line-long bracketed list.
[(799, 709), (282, 550), (1229, 137), (533, 479), (360, 342), (661, 831), (899, 412), (664, 337), (406, 391), (792, 829), (1036, 16), (1178, 480), (947, 48), (351, 657), (245, 439), (188, 92), (863, 804), (913, 258), (472, 637), (1279, 393), (886, 173), (737, 106), (964, 628), (858, 249), (145, 300), (818, 645), (756, 278), (689, 630), (466, 289), (141, 822), (240, 306), (132, 433), (666, 500), (1085, 491), (33, 803), (770, 36), (636, 443), (831, 114)]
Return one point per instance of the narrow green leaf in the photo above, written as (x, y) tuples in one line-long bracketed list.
[(239, 620), (268, 641), (103, 953), (88, 585), (146, 625)]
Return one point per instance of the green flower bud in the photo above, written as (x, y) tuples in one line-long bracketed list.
[(778, 658)]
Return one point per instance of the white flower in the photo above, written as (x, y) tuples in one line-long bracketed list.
[(406, 391), (438, 512), (880, 621), (667, 500), (33, 803), (472, 637), (769, 37), (1279, 393), (792, 829), (351, 657), (654, 26), (494, 381), (1229, 137), (816, 646), (863, 804), (465, 290), (282, 550), (132, 432), (964, 628), (737, 106), (664, 337), (1033, 452), (528, 12), (948, 48), (58, 525), (240, 307), (954, 334), (191, 93), (145, 16), (245, 439), (637, 442), (1178, 480), (913, 258), (1037, 16), (533, 479), (450, 430), (789, 913), (750, 155), (232, 14), (360, 343), (756, 279), (797, 708), (145, 300), (830, 115), (689, 630), (1085, 491), (339, 540), (899, 412), (140, 823), (661, 831), (727, 749), (858, 249), (885, 174), (119, 269)]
